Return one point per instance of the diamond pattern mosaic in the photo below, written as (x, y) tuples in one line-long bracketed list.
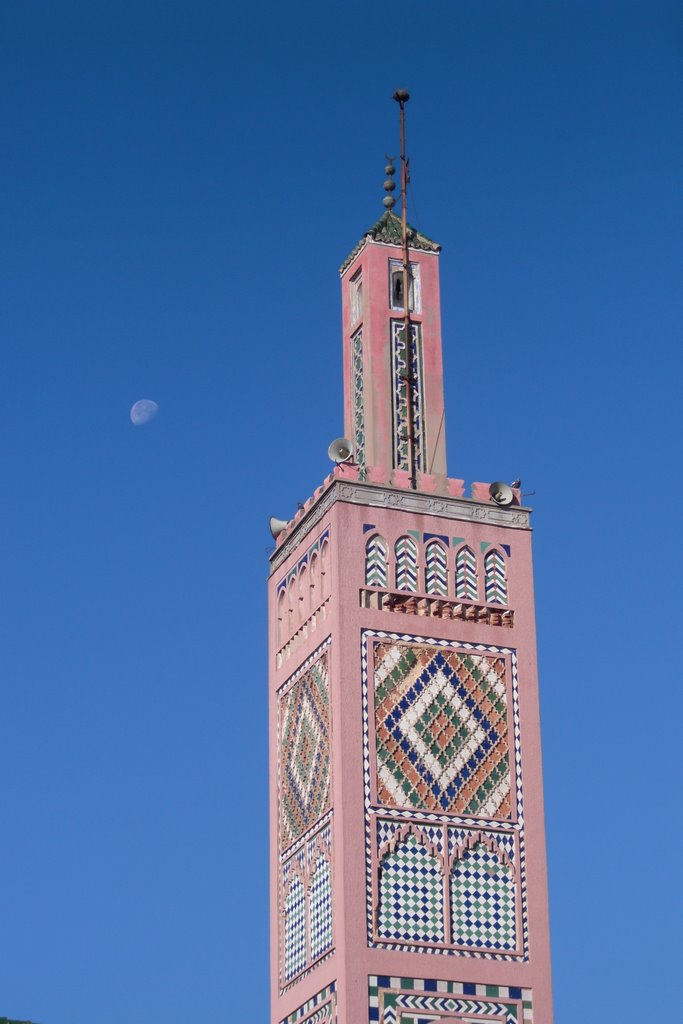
[(441, 723), (295, 929), (411, 894), (320, 908), (407, 1000), (304, 751), (483, 899)]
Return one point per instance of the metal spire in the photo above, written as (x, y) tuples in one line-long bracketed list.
[(402, 96)]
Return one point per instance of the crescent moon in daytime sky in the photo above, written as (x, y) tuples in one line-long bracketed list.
[(143, 411)]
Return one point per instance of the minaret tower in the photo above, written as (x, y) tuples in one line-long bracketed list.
[(408, 878)]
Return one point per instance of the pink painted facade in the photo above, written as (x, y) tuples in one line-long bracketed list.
[(408, 874)]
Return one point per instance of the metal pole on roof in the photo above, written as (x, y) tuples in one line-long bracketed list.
[(402, 96)]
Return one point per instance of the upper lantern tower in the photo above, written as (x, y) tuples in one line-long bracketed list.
[(386, 396)]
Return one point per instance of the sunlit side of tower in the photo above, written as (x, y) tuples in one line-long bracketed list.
[(408, 879)]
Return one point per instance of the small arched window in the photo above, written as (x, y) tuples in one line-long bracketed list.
[(291, 606), (325, 580), (376, 562), (304, 596), (406, 564), (282, 615), (466, 575), (313, 581), (436, 569), (496, 578)]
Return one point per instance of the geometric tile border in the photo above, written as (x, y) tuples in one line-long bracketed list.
[(405, 1000), (459, 827), (319, 1009)]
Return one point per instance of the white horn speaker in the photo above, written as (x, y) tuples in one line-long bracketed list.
[(501, 493), (277, 526), (340, 450)]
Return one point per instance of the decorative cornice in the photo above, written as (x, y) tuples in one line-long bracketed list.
[(388, 231), (358, 493)]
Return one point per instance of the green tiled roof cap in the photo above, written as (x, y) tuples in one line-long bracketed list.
[(388, 230)]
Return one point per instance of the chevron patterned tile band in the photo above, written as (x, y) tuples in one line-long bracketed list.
[(496, 581), (376, 562), (406, 564), (405, 1000), (466, 575), (318, 1009), (436, 569)]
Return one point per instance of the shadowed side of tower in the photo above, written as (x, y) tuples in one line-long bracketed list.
[(408, 878)]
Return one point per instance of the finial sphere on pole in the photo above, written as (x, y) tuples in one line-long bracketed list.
[(401, 96)]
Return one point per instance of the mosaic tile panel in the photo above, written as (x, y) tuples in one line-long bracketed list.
[(441, 725), (466, 575), (376, 562), (358, 399), (411, 893), (295, 929), (322, 1007), (446, 833), (436, 569), (483, 898), (481, 892), (306, 905), (496, 582), (304, 750), (400, 395), (406, 1000), (406, 564), (320, 900)]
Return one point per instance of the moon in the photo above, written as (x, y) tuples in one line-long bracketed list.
[(143, 411)]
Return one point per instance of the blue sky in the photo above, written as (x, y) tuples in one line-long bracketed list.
[(180, 183)]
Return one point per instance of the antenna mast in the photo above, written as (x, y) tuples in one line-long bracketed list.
[(402, 96)]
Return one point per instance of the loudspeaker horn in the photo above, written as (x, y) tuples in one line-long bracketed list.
[(277, 526), (501, 493), (340, 450)]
